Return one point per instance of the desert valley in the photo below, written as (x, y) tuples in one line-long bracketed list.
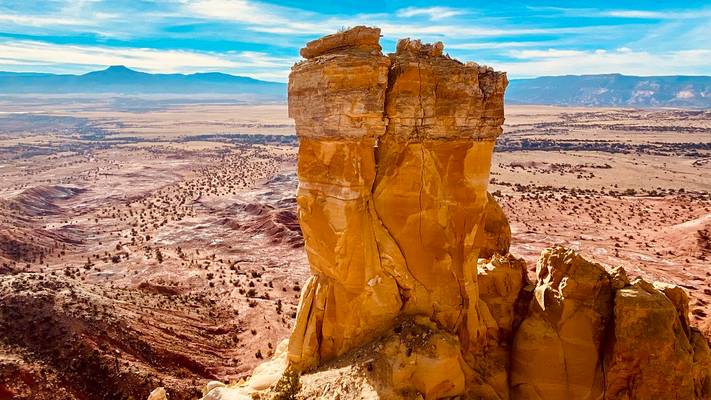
[(160, 246), (389, 200)]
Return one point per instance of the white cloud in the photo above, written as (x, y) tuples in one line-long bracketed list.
[(549, 53), (634, 14), (31, 53), (457, 31), (492, 45), (261, 17), (40, 21), (433, 13), (625, 61), (524, 49), (645, 14), (234, 10)]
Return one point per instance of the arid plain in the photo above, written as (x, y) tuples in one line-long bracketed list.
[(147, 243)]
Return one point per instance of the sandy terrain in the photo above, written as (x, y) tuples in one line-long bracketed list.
[(161, 246)]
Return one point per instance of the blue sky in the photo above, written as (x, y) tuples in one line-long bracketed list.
[(261, 38)]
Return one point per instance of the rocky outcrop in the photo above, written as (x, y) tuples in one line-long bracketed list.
[(413, 293), (495, 235), (336, 99), (433, 171), (581, 332), (566, 326), (504, 294), (393, 166), (649, 354)]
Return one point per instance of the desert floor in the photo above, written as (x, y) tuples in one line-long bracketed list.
[(160, 246)]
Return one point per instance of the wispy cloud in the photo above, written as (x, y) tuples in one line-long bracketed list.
[(532, 63), (30, 53), (495, 45), (32, 20), (433, 13), (266, 18), (646, 14), (259, 16)]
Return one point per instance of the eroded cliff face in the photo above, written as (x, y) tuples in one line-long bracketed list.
[(413, 293), (393, 166)]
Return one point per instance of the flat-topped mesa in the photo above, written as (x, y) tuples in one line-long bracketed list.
[(390, 235)]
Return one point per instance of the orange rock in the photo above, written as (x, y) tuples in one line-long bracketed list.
[(702, 364), (503, 294), (433, 171), (359, 38), (502, 280), (425, 359), (392, 233), (336, 101), (650, 356), (570, 331), (413, 292), (557, 348), (495, 237)]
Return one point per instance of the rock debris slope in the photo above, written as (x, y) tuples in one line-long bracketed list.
[(413, 292)]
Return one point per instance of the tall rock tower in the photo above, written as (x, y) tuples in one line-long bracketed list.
[(393, 168)]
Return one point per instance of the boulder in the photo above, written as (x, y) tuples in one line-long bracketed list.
[(649, 354), (557, 349), (504, 295), (494, 236)]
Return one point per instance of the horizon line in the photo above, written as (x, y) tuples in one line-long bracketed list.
[(105, 68)]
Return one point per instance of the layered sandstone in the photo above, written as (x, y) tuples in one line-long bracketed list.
[(413, 293), (336, 99), (374, 130), (433, 171), (566, 325)]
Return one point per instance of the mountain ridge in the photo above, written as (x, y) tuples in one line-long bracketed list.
[(692, 91), (601, 90), (120, 79)]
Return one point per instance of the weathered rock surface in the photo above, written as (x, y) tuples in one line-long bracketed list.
[(433, 171), (565, 326), (504, 295), (649, 355), (495, 236), (336, 99), (600, 341), (413, 293), (374, 131)]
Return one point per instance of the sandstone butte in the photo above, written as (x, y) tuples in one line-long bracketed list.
[(413, 292)]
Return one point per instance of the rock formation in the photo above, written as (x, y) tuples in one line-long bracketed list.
[(393, 166), (565, 325), (413, 293)]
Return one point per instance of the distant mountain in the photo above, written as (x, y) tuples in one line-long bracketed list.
[(119, 79), (612, 90), (570, 90)]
